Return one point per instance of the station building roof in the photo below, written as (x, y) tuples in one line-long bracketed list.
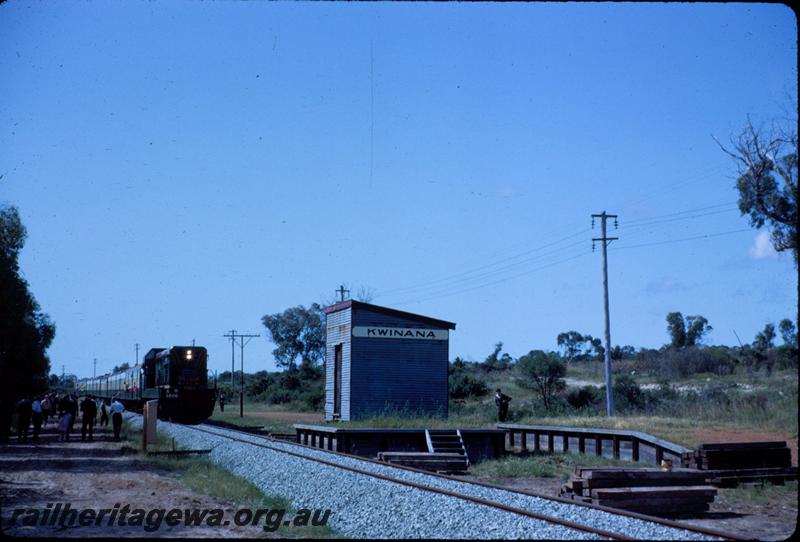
[(386, 310)]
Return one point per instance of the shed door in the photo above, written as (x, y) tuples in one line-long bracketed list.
[(337, 381)]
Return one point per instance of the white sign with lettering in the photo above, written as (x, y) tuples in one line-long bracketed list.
[(400, 333)]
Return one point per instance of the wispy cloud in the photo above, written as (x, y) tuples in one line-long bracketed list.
[(762, 247)]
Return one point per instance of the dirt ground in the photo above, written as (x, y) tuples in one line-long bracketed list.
[(775, 520), (97, 475)]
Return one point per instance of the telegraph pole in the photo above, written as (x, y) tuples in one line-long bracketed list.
[(233, 343), (606, 240), (242, 343), (341, 292), (94, 370), (136, 347)]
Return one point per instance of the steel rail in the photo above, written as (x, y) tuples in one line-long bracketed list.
[(476, 500), (617, 511)]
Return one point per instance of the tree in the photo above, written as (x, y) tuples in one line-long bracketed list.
[(765, 339), (572, 344), (25, 332), (622, 352), (766, 161), (597, 347), (788, 332), (119, 368), (543, 372), (496, 362), (696, 328), (686, 332), (298, 332), (676, 328)]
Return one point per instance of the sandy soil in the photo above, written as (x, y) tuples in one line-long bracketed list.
[(98, 475)]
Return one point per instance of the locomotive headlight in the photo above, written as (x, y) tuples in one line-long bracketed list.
[(188, 354)]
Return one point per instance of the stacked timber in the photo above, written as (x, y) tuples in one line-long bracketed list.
[(434, 462), (644, 490), (734, 477), (743, 455)]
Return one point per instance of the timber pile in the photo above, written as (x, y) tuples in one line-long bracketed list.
[(434, 462), (734, 477), (743, 455), (644, 490)]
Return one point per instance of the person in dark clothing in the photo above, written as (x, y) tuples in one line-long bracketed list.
[(73, 406), (89, 409), (68, 409), (23, 419), (501, 400), (116, 416), (222, 402), (36, 417)]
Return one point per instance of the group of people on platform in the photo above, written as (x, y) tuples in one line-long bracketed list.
[(65, 409)]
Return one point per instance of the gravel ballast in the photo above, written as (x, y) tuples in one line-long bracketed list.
[(366, 507)]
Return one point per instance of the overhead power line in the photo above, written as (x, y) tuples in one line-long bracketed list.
[(669, 241), (458, 277), (446, 293)]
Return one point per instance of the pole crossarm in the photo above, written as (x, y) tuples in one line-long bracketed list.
[(233, 336)]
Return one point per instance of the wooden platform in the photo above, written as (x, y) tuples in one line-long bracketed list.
[(648, 490), (434, 462)]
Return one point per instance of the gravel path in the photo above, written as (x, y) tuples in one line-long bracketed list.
[(367, 507)]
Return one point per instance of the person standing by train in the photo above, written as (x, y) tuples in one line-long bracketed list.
[(222, 402), (66, 419), (116, 416), (72, 405), (36, 416), (89, 409), (23, 419), (103, 413), (46, 409)]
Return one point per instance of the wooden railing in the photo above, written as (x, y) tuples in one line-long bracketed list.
[(595, 436)]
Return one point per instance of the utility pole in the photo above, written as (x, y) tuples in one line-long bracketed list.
[(606, 240), (136, 347), (341, 292), (232, 336), (242, 343), (94, 371)]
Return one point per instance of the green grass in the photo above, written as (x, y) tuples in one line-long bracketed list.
[(231, 415), (765, 494), (203, 476), (539, 465)]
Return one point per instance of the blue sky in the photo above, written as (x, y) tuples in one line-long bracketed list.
[(185, 168)]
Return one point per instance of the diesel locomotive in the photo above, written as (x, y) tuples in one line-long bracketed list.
[(176, 376)]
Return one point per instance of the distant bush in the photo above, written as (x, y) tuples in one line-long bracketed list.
[(580, 398), (684, 362), (463, 386), (627, 394)]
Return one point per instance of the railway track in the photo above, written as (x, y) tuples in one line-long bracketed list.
[(534, 515)]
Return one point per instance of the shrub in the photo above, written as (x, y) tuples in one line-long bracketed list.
[(544, 372), (463, 386), (580, 398), (627, 393)]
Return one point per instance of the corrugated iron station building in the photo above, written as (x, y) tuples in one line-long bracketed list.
[(381, 360)]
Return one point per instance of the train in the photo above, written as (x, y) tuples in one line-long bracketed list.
[(176, 376)]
